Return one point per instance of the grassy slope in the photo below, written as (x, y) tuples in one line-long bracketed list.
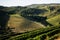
[(20, 24), (54, 20)]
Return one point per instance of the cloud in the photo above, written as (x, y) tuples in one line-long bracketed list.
[(25, 2)]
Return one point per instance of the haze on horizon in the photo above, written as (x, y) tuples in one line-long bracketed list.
[(25, 2)]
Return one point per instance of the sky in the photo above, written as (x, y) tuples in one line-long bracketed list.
[(25, 2)]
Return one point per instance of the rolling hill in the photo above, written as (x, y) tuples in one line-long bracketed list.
[(33, 22)]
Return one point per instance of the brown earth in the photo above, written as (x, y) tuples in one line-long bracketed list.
[(19, 24)]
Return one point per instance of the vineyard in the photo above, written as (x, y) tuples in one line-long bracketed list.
[(49, 33)]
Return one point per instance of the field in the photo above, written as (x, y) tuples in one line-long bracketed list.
[(20, 24)]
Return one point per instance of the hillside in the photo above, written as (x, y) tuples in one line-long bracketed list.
[(55, 21), (20, 24), (32, 22)]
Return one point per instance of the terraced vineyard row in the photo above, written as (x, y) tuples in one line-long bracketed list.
[(40, 34), (44, 35)]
